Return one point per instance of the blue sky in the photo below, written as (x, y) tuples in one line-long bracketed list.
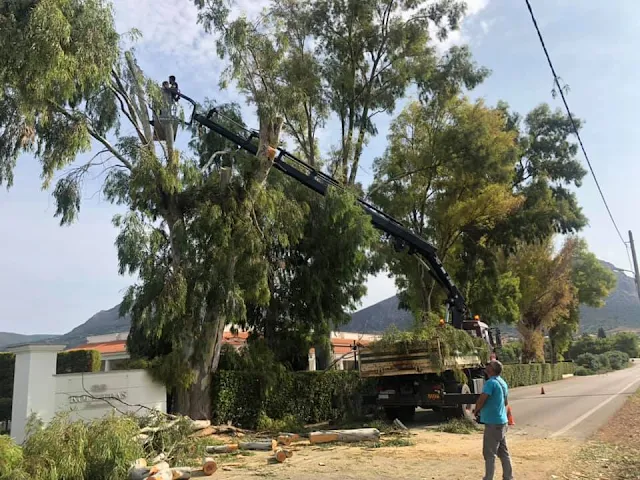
[(52, 278)]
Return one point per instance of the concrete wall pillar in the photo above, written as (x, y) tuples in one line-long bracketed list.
[(33, 386)]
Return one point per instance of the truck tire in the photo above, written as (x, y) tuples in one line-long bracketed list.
[(404, 414), (458, 411)]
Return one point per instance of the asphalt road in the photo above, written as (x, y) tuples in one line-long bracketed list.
[(574, 407)]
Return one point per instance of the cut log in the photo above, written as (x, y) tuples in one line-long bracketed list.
[(181, 473), (161, 475), (288, 438), (158, 467), (209, 466), (205, 432), (138, 473), (263, 445), (221, 448), (281, 454), (200, 424), (160, 428), (158, 459), (355, 435)]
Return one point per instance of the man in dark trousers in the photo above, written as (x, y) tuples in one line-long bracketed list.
[(492, 406)]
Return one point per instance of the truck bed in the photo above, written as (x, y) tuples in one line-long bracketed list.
[(376, 364)]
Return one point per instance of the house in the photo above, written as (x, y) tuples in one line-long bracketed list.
[(113, 347)]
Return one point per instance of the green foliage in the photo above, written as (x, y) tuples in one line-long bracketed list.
[(535, 373), (591, 364), (101, 449), (511, 352), (464, 426), (298, 398), (440, 341), (583, 372), (310, 59), (288, 423), (78, 361), (626, 342), (7, 369), (131, 364), (617, 360), (56, 53), (447, 175), (11, 466), (589, 361)]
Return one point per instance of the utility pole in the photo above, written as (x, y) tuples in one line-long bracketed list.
[(635, 262)]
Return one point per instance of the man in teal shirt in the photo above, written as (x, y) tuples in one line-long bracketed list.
[(492, 406)]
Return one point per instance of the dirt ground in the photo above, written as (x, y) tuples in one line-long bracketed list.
[(422, 455), (614, 452), (425, 454)]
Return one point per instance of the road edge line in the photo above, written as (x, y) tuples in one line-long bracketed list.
[(583, 417)]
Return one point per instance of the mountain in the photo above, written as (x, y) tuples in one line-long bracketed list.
[(7, 338), (103, 322), (621, 312)]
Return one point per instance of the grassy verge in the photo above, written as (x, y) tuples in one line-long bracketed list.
[(614, 452)]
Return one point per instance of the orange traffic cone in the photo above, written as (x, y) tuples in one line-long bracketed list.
[(510, 419), (541, 390)]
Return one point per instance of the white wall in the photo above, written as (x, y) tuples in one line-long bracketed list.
[(38, 390), (75, 392)]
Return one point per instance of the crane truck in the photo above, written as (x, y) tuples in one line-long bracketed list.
[(405, 381)]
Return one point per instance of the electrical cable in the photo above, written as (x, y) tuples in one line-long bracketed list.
[(573, 124)]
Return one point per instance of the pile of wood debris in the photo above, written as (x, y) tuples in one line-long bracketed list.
[(277, 448)]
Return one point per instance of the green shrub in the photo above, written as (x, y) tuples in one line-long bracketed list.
[(11, 460), (617, 360), (588, 361), (102, 449), (309, 397), (583, 372), (534, 373), (7, 368), (78, 361), (130, 364), (603, 360)]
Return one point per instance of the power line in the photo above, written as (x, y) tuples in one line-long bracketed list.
[(573, 124)]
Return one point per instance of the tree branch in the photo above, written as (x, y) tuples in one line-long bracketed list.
[(93, 133)]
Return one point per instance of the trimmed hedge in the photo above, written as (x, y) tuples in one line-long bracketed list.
[(78, 361), (535, 373), (310, 397)]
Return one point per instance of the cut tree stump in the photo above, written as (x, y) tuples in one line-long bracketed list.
[(281, 454), (263, 445), (209, 466), (347, 436), (221, 448)]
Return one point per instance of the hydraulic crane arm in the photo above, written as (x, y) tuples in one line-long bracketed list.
[(318, 181)]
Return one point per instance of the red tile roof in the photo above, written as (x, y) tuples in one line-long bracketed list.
[(340, 345)]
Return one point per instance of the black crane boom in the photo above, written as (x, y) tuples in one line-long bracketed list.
[(318, 181)]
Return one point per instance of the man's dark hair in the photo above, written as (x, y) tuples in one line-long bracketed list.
[(172, 78)]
